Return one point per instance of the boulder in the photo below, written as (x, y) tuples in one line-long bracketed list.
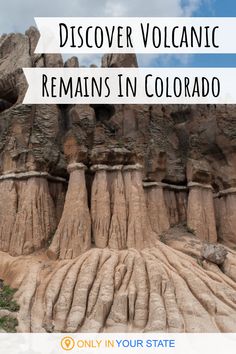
[(214, 253)]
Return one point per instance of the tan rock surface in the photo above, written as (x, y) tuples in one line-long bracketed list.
[(201, 213), (100, 208), (118, 224), (57, 191), (118, 208), (172, 207), (30, 217), (225, 207), (156, 208), (8, 202), (73, 235), (139, 231), (157, 289)]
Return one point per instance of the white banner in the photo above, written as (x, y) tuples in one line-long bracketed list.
[(148, 343), (130, 86), (156, 35)]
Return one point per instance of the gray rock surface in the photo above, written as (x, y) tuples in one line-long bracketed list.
[(214, 253)]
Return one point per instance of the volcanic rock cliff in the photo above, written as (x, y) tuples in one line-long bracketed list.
[(115, 218)]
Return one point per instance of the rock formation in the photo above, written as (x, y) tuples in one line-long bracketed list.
[(112, 218), (214, 253), (201, 212), (226, 215), (73, 235), (30, 216), (156, 207)]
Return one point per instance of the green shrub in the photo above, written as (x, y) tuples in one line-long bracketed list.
[(8, 324), (6, 299)]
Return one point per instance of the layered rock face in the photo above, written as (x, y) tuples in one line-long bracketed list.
[(28, 150), (27, 214), (115, 218), (119, 214)]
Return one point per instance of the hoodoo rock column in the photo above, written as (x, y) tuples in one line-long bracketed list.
[(30, 219), (8, 201), (118, 225), (100, 206), (73, 235), (225, 203), (200, 213), (139, 231), (156, 207), (176, 203), (118, 208)]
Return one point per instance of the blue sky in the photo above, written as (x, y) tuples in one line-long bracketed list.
[(18, 15), (208, 8)]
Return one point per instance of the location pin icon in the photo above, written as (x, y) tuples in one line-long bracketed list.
[(67, 342)]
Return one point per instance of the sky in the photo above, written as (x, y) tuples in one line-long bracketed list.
[(18, 15)]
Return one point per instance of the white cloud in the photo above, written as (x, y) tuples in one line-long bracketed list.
[(190, 7), (17, 16), (115, 9)]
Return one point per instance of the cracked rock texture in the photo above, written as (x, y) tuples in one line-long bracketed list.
[(115, 217)]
